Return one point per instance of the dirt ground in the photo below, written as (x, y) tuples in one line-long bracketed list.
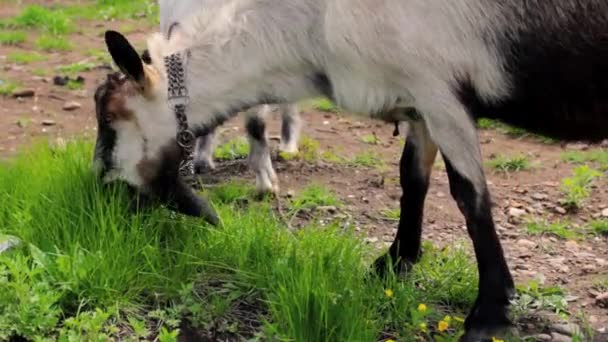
[(576, 266)]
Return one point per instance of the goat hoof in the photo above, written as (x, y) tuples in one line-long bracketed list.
[(487, 321), (387, 262), (503, 333), (288, 148)]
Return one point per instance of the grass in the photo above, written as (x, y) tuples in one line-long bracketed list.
[(7, 87), (237, 148), (367, 159), (325, 105), (313, 196), (308, 150), (10, 38), (74, 85), (370, 139), (51, 21), (599, 227), (512, 131), (40, 72), (25, 57), (75, 68), (533, 297), (87, 269), (506, 164), (599, 157), (576, 189), (561, 229), (392, 214), (53, 44)]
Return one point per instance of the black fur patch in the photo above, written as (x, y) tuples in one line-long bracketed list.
[(323, 85), (106, 135), (556, 54), (256, 128)]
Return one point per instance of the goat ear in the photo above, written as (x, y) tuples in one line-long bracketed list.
[(125, 56)]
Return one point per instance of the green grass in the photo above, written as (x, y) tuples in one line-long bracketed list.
[(392, 214), (576, 189), (74, 85), (40, 72), (512, 131), (325, 105), (561, 229), (599, 157), (370, 139), (87, 269), (115, 10), (8, 87), (506, 164), (75, 68), (53, 44), (12, 37), (313, 196), (367, 159), (599, 227), (237, 148), (25, 57), (533, 297), (50, 20)]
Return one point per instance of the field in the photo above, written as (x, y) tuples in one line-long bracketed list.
[(76, 266)]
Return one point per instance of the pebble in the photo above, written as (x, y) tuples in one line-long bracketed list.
[(555, 337), (526, 243), (541, 337), (602, 299), (24, 93), (539, 197), (48, 122), (560, 210), (566, 329), (605, 212), (71, 105), (517, 213)]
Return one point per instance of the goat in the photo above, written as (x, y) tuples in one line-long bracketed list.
[(171, 12), (541, 65)]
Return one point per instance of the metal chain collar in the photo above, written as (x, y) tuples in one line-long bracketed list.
[(178, 98)]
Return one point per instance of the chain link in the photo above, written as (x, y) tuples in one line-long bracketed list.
[(178, 98)]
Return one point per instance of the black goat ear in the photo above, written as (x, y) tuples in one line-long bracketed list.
[(125, 56)]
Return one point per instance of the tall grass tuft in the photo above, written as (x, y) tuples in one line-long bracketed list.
[(88, 269)]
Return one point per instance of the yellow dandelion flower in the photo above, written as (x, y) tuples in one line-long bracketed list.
[(422, 308), (443, 326), (389, 293), (423, 327), (390, 340), (459, 319), (494, 339), (447, 319)]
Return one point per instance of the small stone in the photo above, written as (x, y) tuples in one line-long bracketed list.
[(517, 213), (589, 268), (605, 212), (602, 299), (60, 80), (560, 210), (526, 243), (48, 122), (570, 244), (555, 337), (372, 239), (328, 208), (539, 197), (566, 329), (541, 337), (290, 193), (24, 93), (71, 105)]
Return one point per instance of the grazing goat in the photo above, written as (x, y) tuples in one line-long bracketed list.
[(171, 12), (541, 65)]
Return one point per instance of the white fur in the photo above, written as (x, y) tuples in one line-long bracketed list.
[(378, 55)]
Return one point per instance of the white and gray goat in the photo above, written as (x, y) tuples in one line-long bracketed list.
[(171, 13), (540, 64)]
